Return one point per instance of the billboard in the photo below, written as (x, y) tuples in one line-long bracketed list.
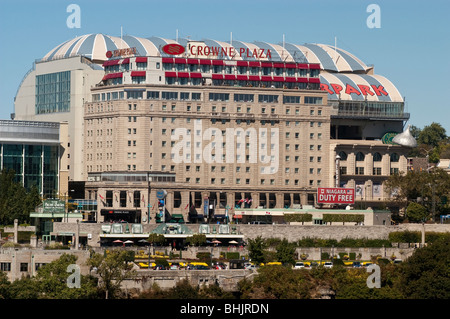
[(335, 195)]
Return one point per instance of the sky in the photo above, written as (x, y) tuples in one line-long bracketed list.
[(410, 45)]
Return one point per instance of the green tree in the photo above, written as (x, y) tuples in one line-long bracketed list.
[(416, 213), (432, 135), (112, 268), (286, 252), (196, 240), (256, 249), (156, 239), (425, 275), (420, 186), (4, 286), (51, 281), (15, 201)]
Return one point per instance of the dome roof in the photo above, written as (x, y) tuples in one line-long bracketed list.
[(95, 46)]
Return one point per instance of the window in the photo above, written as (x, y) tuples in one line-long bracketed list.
[(313, 100), (343, 155), (377, 171), (377, 157), (219, 97), (395, 157), (53, 93), (291, 99), (263, 98), (360, 157), (359, 170)]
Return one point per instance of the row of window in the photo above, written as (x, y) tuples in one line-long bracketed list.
[(375, 171), (377, 157), (241, 70), (195, 96)]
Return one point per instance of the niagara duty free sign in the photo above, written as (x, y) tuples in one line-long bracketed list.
[(336, 195)]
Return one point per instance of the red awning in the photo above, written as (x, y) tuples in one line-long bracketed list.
[(126, 61), (266, 78), (218, 62), (291, 65), (141, 59), (278, 65), (167, 60), (302, 80), (237, 216), (314, 80), (205, 62), (230, 77), (138, 73), (314, 66), (112, 76), (217, 77), (171, 74), (242, 63), (195, 75), (278, 79), (183, 74), (290, 79), (192, 61), (111, 62), (266, 64), (302, 66), (180, 61), (242, 77), (254, 64), (254, 78)]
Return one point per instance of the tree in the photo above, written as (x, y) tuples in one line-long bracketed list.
[(425, 275), (416, 213), (196, 240), (256, 249), (51, 281), (285, 252), (15, 201), (112, 268), (432, 135), (420, 186)]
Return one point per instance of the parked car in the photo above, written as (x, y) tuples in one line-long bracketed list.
[(299, 265), (356, 264), (328, 264)]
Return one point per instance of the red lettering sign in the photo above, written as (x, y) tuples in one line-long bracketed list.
[(363, 89), (173, 49), (336, 195)]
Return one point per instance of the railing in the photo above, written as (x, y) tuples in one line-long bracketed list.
[(373, 114)]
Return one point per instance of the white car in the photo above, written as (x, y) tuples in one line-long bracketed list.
[(299, 265), (328, 264)]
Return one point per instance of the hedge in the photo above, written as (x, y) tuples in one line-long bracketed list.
[(298, 218), (343, 218)]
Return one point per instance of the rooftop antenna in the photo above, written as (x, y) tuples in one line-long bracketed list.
[(177, 36), (121, 33)]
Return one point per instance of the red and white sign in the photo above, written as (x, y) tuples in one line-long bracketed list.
[(362, 89), (336, 195), (173, 49)]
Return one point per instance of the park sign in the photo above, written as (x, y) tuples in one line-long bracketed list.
[(336, 195), (54, 206)]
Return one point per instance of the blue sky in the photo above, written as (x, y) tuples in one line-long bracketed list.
[(411, 48)]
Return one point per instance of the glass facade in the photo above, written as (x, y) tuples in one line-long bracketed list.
[(34, 165), (53, 93)]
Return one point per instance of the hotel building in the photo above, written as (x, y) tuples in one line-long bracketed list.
[(201, 129)]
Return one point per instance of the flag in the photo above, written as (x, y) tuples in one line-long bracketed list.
[(186, 206), (101, 197)]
